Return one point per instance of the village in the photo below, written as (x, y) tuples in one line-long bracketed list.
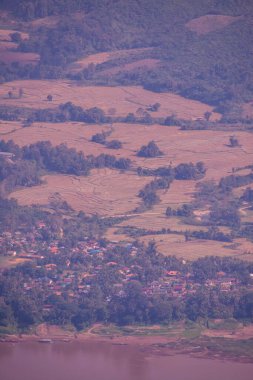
[(72, 272)]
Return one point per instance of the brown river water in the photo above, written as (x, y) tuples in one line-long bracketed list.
[(103, 361)]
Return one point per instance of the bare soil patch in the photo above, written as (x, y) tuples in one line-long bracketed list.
[(210, 23)]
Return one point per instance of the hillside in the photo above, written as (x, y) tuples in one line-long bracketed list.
[(214, 66)]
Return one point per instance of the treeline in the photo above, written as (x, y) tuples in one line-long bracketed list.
[(236, 181), (213, 233), (148, 193), (168, 174), (100, 138), (26, 163), (182, 171), (69, 112)]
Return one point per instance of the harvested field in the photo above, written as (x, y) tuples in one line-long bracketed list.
[(75, 135), (101, 192), (105, 192), (186, 146), (5, 34), (5, 46), (192, 250), (154, 220), (8, 128), (7, 49), (173, 244), (124, 99), (210, 23), (16, 56), (178, 146)]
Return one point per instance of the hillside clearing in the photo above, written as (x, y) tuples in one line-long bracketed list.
[(210, 23), (99, 58)]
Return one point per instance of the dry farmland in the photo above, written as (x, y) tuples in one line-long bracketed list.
[(112, 193), (178, 146), (123, 99), (8, 49), (191, 250), (105, 191)]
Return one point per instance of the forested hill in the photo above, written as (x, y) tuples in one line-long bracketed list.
[(212, 65)]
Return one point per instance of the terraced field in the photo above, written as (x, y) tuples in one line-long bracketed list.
[(105, 192)]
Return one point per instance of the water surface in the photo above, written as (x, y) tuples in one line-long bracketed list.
[(104, 361)]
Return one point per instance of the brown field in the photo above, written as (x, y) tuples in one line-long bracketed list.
[(191, 250), (76, 135), (7, 49), (178, 146), (176, 245), (105, 192), (16, 56), (7, 128), (5, 46), (5, 34), (111, 193), (99, 58), (210, 23), (124, 99)]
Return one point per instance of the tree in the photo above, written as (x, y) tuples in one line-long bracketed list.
[(207, 115), (114, 144), (99, 138), (49, 98), (154, 107), (233, 142), (20, 92), (150, 150), (16, 37)]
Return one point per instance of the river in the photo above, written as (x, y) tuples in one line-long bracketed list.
[(105, 361)]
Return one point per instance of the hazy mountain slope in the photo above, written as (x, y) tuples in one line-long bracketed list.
[(213, 67)]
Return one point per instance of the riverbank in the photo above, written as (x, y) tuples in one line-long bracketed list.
[(194, 340)]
